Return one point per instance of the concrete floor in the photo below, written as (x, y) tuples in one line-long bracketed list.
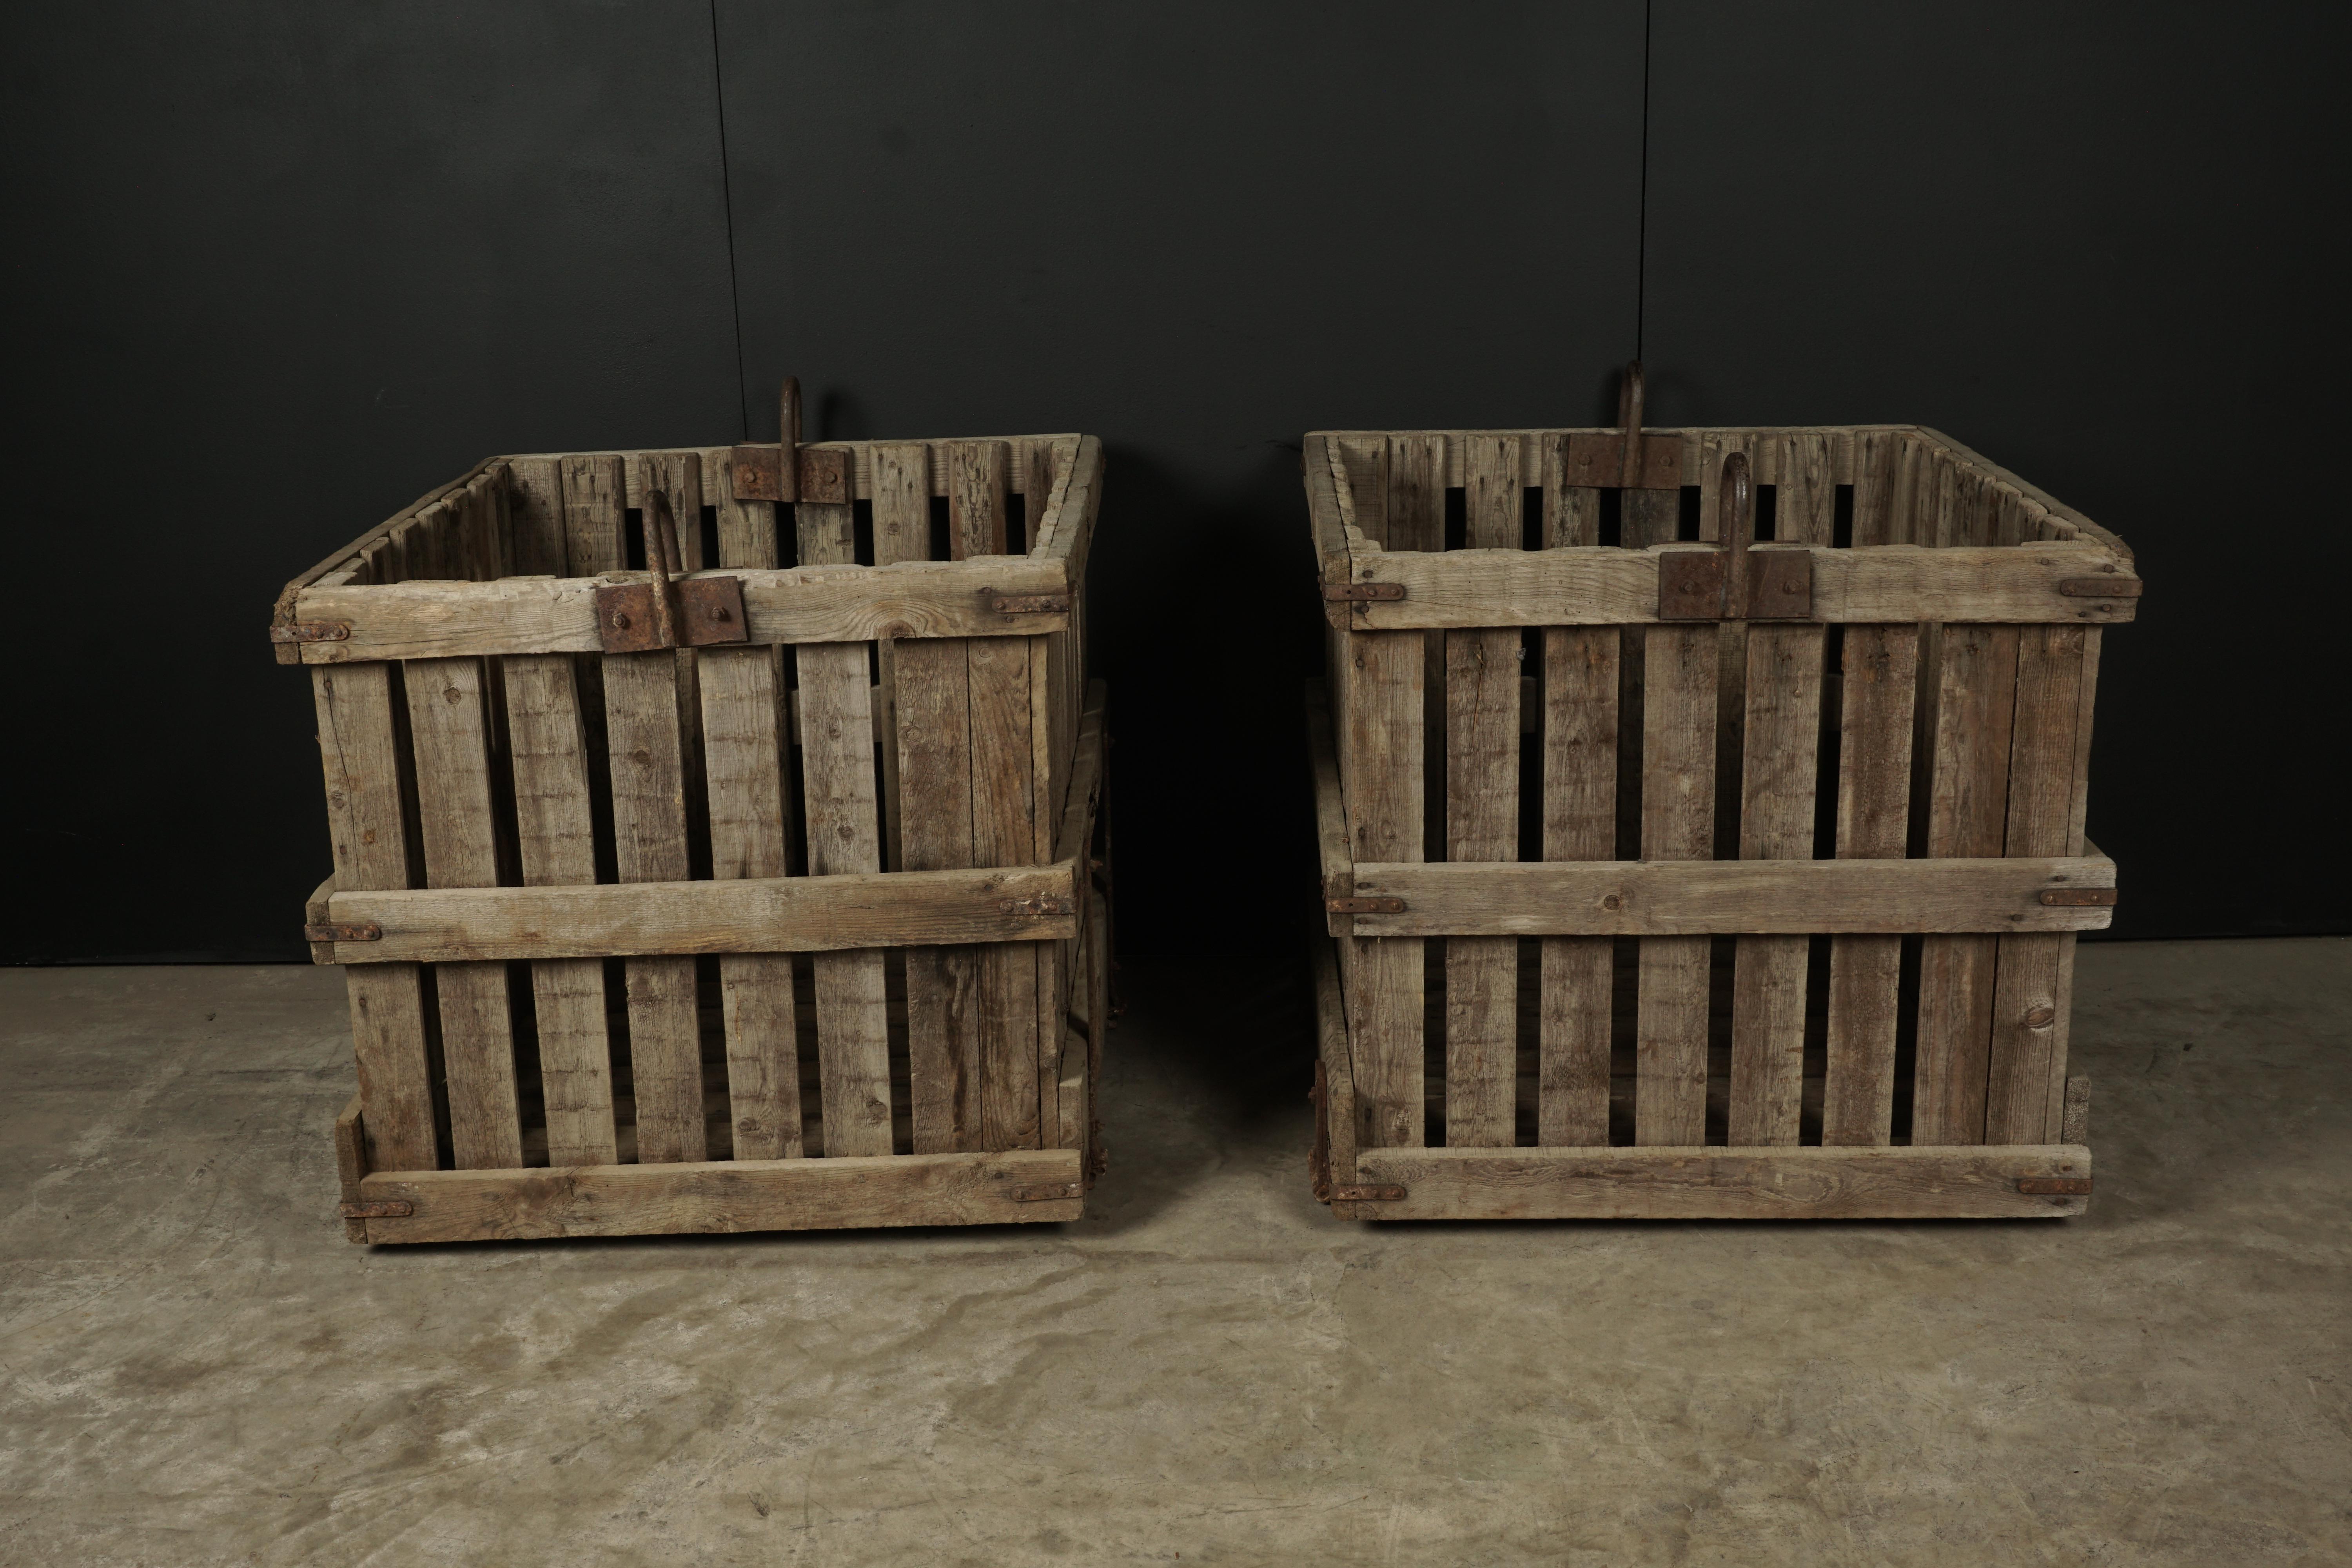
[(1208, 1368)]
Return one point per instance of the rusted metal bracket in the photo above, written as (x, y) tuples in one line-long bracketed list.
[(1030, 604), (2079, 897), (823, 474), (1043, 904), (1364, 906), (1358, 593), (1363, 1193), (2100, 587), (344, 931), (311, 631), (664, 612), (1048, 1192), (2055, 1186), (1733, 582), (385, 1209)]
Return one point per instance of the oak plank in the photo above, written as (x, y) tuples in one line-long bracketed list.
[(1003, 802), (1878, 685), (978, 478), (1968, 808), (1383, 736), (449, 722), (555, 838), (935, 814), (1678, 725), (729, 1196), (1580, 823), (646, 744), (1720, 1183), (360, 749), (595, 491), (2031, 991)]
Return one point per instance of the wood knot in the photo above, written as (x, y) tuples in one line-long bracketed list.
[(2041, 1018), (1612, 901)]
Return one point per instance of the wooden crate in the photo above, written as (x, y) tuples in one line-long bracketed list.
[(795, 921), (1672, 877)]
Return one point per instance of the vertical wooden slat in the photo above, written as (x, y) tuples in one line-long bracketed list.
[(1776, 823), (1968, 809), (1678, 743), (1873, 484), (1415, 503), (935, 814), (1482, 818), (1580, 823), (1004, 788), (645, 738), (448, 719), (595, 491), (977, 475), (535, 515), (678, 476), (2029, 994), (1383, 732), (1052, 974), (839, 787), (359, 747), (1878, 682), (1571, 513), (742, 698), (549, 744)]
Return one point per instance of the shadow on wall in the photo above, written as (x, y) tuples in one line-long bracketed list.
[(1206, 622)]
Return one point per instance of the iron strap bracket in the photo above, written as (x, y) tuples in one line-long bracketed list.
[(823, 474), (1731, 583), (1359, 593), (665, 611), (1048, 1192), (1364, 906), (2079, 897), (344, 931)]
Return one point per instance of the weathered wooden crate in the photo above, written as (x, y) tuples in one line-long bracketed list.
[(1685, 870), (764, 898)]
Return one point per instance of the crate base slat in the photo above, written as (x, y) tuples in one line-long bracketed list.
[(724, 1197), (1720, 1183)]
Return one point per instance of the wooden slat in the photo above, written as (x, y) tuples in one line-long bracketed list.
[(743, 696), (1331, 1051), (358, 746), (1571, 511), (448, 718), (729, 1196), (555, 837), (535, 515), (1580, 823), (820, 914), (1968, 809), (595, 491), (1482, 820), (1718, 1184), (935, 814), (1696, 898), (1382, 735), (807, 604), (1415, 503), (646, 743), (678, 476), (978, 474), (1874, 799), (1577, 586), (1677, 824), (1779, 763), (2031, 992), (1004, 797)]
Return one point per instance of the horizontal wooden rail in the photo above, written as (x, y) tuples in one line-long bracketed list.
[(1755, 897), (769, 915), (725, 1195), (1981, 1183), (1605, 585), (803, 604)]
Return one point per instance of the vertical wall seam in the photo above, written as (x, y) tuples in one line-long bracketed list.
[(727, 204)]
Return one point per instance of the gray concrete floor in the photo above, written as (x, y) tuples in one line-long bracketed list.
[(199, 1369)]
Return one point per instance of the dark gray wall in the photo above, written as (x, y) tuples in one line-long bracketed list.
[(275, 269)]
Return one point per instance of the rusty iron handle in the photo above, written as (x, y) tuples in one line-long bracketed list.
[(1735, 524), (788, 413), (661, 559), (1629, 419)]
